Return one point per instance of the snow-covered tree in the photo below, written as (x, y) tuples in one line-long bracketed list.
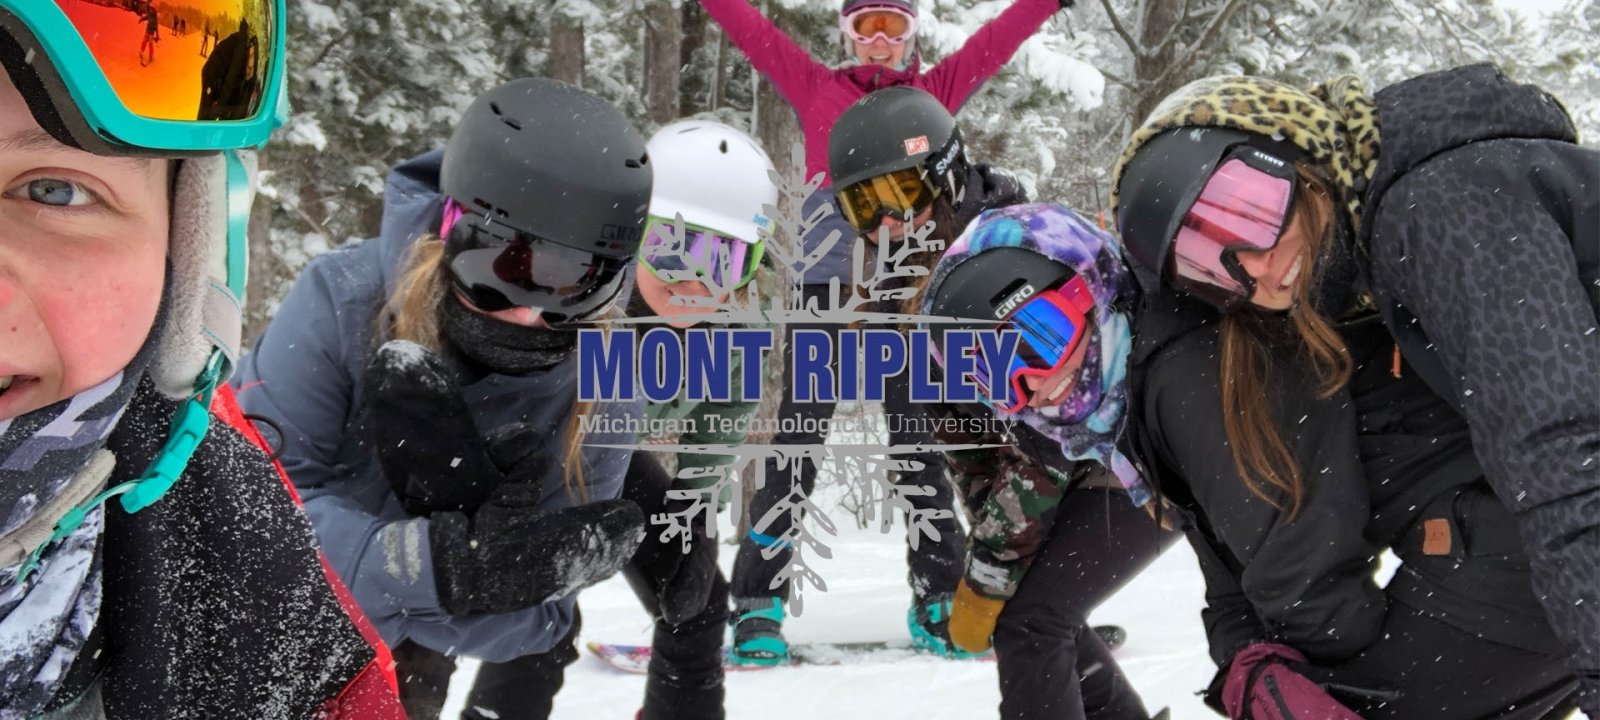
[(374, 83)]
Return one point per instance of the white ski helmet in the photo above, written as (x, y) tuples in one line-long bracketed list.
[(715, 177)]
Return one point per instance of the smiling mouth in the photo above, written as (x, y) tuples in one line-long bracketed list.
[(1292, 275), (879, 58), (9, 382)]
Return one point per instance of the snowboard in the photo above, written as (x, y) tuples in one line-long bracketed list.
[(636, 658)]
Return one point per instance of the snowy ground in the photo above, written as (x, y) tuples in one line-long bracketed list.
[(867, 599)]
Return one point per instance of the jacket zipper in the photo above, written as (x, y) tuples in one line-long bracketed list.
[(1277, 697)]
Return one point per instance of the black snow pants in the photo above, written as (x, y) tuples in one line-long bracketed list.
[(685, 673), (1051, 664), (936, 564), (520, 689)]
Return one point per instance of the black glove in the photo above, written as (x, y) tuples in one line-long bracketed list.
[(511, 555), (423, 432), (1065, 4), (688, 577)]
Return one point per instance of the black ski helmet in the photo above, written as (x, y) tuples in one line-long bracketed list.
[(1161, 182), (894, 129), (991, 285), (850, 6), (553, 185)]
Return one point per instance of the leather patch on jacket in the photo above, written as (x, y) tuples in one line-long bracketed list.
[(1436, 536)]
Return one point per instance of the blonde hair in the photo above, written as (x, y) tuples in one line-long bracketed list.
[(1245, 353), (413, 313)]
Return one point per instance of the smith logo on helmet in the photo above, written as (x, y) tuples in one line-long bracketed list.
[(1011, 303), (1267, 158), (946, 157)]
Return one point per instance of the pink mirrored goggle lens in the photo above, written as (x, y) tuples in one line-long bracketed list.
[(1241, 208)]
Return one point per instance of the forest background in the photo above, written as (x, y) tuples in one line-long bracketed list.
[(372, 83)]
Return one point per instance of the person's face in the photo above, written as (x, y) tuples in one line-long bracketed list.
[(83, 245), (1051, 389), (659, 294), (516, 315), (898, 228), (1276, 270), (880, 52)]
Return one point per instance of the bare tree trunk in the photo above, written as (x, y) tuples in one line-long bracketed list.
[(1172, 40), (693, 33), (566, 48), (719, 78), (267, 267), (663, 58), (1153, 71), (775, 127)]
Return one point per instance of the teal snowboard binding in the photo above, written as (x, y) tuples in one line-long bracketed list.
[(929, 622), (758, 632)]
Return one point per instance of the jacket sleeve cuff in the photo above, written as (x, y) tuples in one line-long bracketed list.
[(993, 579)]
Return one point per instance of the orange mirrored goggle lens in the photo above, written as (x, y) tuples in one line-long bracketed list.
[(180, 59), (871, 22)]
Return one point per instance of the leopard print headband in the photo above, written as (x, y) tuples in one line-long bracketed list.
[(1335, 122)]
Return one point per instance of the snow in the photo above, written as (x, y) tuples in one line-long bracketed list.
[(867, 598)]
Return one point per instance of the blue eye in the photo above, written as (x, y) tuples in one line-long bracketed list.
[(60, 193)]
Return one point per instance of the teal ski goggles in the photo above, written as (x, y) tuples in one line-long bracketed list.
[(148, 77)]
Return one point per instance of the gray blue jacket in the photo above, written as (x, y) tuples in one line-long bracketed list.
[(305, 376)]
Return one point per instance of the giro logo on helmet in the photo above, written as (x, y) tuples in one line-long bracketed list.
[(1011, 303), (918, 144), (621, 233)]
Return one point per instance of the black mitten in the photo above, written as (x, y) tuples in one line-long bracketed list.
[(687, 585), (511, 555), (423, 432)]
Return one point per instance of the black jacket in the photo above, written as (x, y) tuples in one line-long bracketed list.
[(216, 603), (1482, 229), (1307, 583)]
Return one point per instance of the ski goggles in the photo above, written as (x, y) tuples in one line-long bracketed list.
[(893, 25), (902, 193), (497, 267), (677, 251), (1050, 326), (1244, 206), (110, 85)]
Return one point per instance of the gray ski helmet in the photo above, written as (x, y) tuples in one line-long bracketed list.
[(893, 129), (553, 161), (850, 6)]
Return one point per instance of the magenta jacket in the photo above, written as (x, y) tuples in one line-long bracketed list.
[(819, 94)]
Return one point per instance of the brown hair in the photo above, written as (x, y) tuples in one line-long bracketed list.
[(413, 313), (1248, 346), (944, 221)]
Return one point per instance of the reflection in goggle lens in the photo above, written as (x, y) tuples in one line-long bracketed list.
[(180, 59)]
